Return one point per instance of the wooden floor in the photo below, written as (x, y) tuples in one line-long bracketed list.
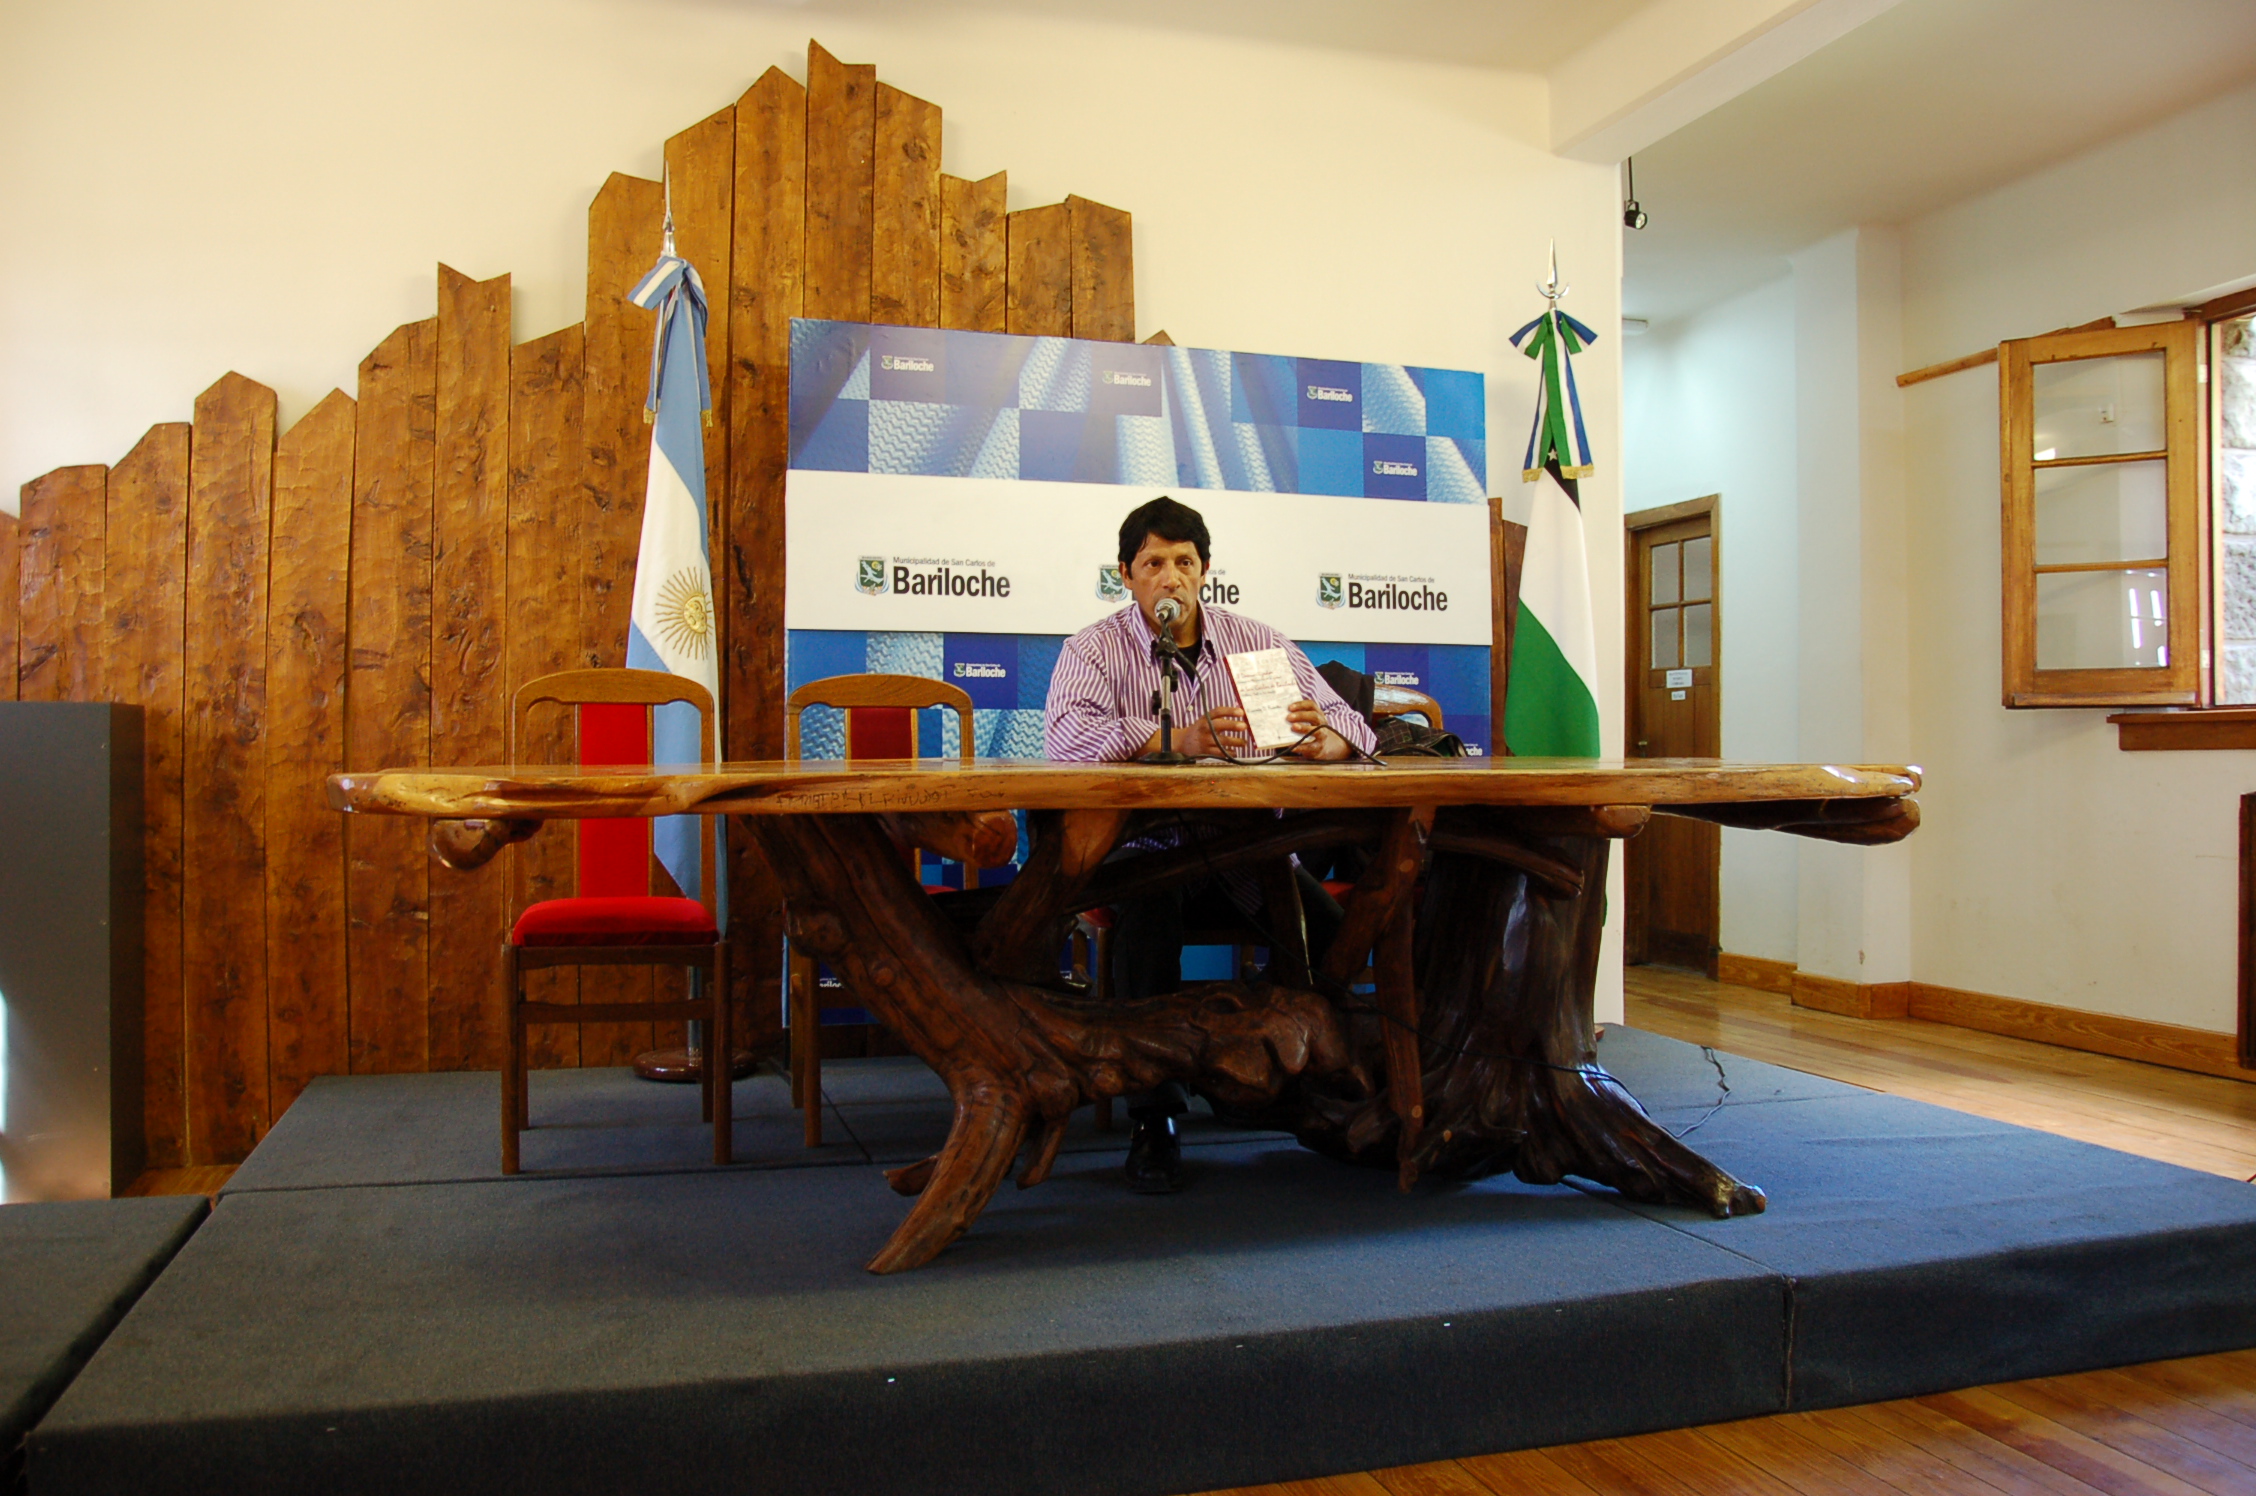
[(2169, 1429), (2174, 1428)]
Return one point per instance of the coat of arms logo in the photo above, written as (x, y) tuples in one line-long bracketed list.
[(1110, 588), (1331, 590), (869, 575)]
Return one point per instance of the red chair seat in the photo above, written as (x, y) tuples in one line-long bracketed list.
[(615, 921)]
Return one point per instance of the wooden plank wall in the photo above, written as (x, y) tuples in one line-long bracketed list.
[(146, 596), (371, 586)]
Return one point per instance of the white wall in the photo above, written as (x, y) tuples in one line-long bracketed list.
[(267, 185), (1708, 407), (2053, 866), (1854, 904)]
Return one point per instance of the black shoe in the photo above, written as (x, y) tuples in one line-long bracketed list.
[(1155, 1157)]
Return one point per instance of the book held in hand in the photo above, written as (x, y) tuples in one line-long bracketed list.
[(1263, 679)]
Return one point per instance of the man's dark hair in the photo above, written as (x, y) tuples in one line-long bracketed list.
[(1166, 519)]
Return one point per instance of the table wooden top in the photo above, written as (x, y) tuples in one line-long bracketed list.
[(816, 787)]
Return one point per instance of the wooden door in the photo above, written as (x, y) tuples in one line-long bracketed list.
[(1675, 711)]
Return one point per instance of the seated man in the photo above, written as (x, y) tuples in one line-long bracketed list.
[(1103, 709)]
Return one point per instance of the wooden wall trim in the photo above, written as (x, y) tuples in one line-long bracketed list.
[(1758, 972), (2200, 1050), (2071, 1028), (1851, 999)]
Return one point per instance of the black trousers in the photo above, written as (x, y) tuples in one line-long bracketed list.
[(1147, 953)]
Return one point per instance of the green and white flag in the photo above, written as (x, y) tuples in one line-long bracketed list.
[(1551, 704)]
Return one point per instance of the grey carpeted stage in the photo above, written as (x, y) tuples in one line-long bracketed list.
[(372, 1308)]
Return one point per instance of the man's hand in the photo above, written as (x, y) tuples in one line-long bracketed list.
[(1230, 734), (1306, 717)]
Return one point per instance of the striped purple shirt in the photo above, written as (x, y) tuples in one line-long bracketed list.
[(1101, 692)]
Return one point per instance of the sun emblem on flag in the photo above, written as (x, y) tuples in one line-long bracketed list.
[(685, 612)]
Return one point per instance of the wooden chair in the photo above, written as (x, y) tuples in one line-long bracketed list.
[(613, 919), (880, 723)]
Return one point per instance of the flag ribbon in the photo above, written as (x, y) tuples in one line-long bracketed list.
[(1558, 436)]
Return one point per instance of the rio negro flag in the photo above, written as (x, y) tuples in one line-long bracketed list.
[(671, 626), (1551, 708)]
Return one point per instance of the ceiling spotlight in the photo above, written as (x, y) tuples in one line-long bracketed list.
[(1633, 217)]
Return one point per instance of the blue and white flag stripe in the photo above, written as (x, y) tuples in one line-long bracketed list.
[(672, 620)]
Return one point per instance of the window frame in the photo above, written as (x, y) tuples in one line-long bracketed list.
[(2184, 680)]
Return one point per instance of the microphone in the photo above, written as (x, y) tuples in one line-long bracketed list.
[(1168, 611)]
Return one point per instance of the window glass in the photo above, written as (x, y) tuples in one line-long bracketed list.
[(2098, 407), (2115, 511), (1664, 572), (1664, 638), (1699, 566), (2102, 620)]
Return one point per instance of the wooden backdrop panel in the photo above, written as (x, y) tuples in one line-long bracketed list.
[(63, 563), (469, 613), (701, 177), (11, 600), (841, 180), (1039, 298), (146, 595), (308, 575), (223, 770), (974, 253), (905, 211), (766, 287), (388, 695), (1104, 272), (625, 225), (547, 399), (369, 590)]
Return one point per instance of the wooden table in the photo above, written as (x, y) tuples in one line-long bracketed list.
[(1479, 913)]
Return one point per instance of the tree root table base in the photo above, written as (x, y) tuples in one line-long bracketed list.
[(1465, 1047)]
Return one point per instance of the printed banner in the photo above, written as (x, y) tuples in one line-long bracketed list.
[(986, 555), (954, 501)]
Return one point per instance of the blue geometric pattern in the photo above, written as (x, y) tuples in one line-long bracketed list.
[(870, 399)]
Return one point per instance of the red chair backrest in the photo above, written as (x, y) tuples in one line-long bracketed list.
[(614, 851), (881, 732)]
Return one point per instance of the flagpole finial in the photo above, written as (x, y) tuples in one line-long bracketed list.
[(1551, 290), (666, 177)]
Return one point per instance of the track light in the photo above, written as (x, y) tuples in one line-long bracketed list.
[(1633, 217)]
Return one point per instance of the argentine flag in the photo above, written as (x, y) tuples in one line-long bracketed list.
[(1551, 706), (671, 626)]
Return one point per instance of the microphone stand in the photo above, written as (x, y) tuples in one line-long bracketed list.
[(1166, 651)]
